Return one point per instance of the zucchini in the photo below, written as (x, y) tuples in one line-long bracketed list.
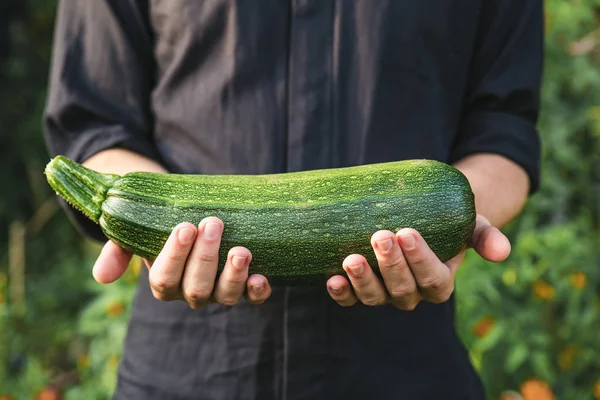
[(299, 226)]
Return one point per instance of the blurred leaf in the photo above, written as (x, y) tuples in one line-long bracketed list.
[(542, 366), (516, 357)]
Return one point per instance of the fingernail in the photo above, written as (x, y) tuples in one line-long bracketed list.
[(185, 235), (356, 269), (336, 289), (238, 262), (258, 287), (211, 230), (408, 241), (384, 245)]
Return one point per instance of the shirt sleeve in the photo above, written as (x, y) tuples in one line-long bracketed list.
[(100, 83), (503, 95)]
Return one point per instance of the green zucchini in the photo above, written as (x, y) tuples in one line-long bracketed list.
[(299, 226)]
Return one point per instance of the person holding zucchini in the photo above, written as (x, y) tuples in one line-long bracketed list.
[(239, 87)]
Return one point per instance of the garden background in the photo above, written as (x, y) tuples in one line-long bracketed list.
[(532, 323)]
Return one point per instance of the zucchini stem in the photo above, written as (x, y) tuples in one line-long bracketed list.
[(80, 186)]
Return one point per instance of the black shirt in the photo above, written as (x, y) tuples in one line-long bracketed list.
[(263, 86)]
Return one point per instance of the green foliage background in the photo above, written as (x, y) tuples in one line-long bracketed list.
[(534, 317)]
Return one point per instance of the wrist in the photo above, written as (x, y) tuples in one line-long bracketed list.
[(499, 184)]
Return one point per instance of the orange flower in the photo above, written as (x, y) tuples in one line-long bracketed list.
[(567, 356), (115, 308), (578, 280), (535, 389), (597, 390), (6, 397), (483, 327), (49, 393), (544, 290)]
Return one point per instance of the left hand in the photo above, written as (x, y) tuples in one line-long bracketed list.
[(410, 270)]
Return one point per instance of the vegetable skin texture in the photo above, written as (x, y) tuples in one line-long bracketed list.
[(299, 226)]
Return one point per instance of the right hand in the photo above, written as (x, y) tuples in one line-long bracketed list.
[(186, 268)]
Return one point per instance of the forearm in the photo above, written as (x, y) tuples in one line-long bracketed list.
[(500, 186), (121, 161)]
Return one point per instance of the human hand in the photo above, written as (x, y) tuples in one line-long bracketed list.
[(186, 268), (410, 270)]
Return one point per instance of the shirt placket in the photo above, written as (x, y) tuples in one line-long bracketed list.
[(309, 146), (310, 85)]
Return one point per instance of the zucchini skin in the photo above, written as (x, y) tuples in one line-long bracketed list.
[(299, 226)]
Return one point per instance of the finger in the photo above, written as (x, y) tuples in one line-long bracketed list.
[(111, 263), (232, 281), (340, 290), (367, 287), (258, 289), (433, 277), (167, 270), (201, 268), (397, 276), (489, 242)]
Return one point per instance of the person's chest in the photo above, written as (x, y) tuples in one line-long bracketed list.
[(310, 83)]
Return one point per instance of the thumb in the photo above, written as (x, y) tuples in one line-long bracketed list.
[(111, 263), (489, 242)]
